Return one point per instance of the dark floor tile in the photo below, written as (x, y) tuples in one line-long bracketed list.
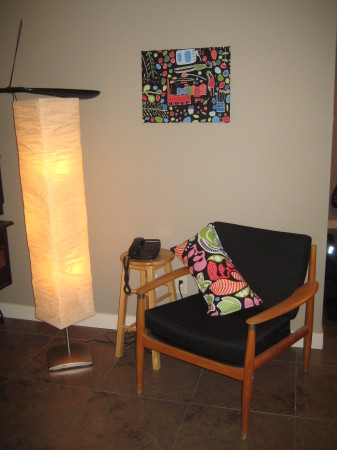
[(329, 354), (316, 356), (289, 354), (315, 435), (103, 356), (121, 379), (123, 422), (35, 415), (316, 393), (326, 356), (218, 390), (273, 389), (215, 428), (328, 322), (17, 349), (29, 326), (38, 408), (176, 380)]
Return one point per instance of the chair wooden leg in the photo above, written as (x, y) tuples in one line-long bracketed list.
[(247, 392), (140, 347), (309, 313), (247, 385)]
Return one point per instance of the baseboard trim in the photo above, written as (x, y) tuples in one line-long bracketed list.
[(109, 321), (99, 320), (316, 343)]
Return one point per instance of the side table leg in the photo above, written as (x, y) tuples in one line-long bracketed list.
[(121, 319), (170, 285), (152, 303), (144, 280)]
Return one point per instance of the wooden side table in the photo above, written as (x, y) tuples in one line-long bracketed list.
[(147, 270), (5, 265)]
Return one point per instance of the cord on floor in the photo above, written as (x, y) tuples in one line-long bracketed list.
[(129, 339)]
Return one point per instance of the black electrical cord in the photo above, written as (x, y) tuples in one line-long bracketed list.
[(126, 263), (16, 51), (179, 287), (129, 339), (54, 92), (109, 341)]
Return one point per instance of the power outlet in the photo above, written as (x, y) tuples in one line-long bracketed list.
[(181, 286)]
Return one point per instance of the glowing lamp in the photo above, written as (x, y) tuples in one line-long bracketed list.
[(51, 172)]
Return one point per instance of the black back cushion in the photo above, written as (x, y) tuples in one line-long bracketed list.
[(273, 263)]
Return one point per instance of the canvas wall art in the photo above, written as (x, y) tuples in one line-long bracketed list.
[(186, 85)]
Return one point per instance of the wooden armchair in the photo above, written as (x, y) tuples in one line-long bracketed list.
[(275, 264)]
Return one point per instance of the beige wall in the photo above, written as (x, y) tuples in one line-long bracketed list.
[(269, 167)]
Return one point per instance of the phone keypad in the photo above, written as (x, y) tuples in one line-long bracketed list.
[(149, 250)]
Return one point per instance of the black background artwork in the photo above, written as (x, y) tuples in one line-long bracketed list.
[(189, 85)]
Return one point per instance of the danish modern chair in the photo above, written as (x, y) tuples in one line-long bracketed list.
[(276, 265)]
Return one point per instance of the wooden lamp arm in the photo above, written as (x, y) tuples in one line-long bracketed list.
[(161, 281), (300, 296)]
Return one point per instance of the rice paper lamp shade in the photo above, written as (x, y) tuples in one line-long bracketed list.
[(51, 172)]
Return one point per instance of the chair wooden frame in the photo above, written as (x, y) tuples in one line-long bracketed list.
[(303, 295)]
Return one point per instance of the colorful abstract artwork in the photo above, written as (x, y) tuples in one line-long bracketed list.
[(189, 85)]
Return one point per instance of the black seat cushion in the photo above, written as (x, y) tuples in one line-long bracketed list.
[(185, 323), (274, 263)]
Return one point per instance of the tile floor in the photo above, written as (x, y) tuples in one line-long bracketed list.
[(182, 407)]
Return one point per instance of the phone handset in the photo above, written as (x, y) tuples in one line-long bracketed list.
[(136, 247)]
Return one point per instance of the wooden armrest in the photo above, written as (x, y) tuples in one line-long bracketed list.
[(160, 281), (300, 296)]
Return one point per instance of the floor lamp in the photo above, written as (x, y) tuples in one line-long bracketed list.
[(50, 161)]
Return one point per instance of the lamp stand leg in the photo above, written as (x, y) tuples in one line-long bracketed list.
[(64, 358)]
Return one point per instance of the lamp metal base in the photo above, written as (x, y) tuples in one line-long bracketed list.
[(64, 357), (59, 358)]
